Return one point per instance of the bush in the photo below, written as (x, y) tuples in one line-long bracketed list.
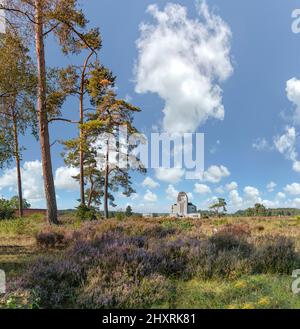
[(120, 216), (122, 290), (85, 213), (50, 239), (118, 265), (274, 254), (233, 237), (53, 282), (6, 210)]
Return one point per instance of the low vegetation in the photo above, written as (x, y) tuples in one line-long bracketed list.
[(146, 263)]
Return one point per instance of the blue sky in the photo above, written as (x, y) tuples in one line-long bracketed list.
[(256, 142)]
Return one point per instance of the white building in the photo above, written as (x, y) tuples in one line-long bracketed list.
[(184, 208)]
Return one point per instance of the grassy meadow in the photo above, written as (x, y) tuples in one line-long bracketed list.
[(226, 263)]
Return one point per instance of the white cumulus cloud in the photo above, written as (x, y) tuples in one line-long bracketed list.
[(232, 186), (169, 175), (251, 195), (202, 189), (235, 200), (214, 174), (171, 192), (184, 61), (150, 196), (32, 181), (64, 179), (293, 189), (286, 145), (293, 94), (150, 183)]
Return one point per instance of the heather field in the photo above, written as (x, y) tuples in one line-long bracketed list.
[(150, 263)]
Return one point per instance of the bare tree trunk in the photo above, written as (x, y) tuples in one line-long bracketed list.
[(92, 183), (17, 157), (90, 195), (106, 182), (81, 153), (42, 116), (82, 135)]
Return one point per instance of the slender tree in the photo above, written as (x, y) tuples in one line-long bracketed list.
[(77, 81), (112, 114), (221, 204), (17, 86), (128, 211)]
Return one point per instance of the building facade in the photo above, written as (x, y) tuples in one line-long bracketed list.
[(184, 208)]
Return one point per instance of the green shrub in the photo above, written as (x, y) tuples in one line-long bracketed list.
[(85, 213), (120, 216), (6, 210)]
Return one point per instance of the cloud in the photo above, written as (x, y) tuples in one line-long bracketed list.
[(261, 144), (293, 189), (202, 189), (219, 190), (150, 196), (235, 200), (190, 195), (296, 203), (214, 174), (150, 183), (293, 94), (171, 175), (251, 195), (280, 195), (32, 181), (171, 192), (184, 61), (296, 166), (231, 186), (286, 145), (64, 179), (271, 186)]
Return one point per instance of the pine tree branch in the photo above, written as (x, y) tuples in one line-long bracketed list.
[(63, 119), (51, 29), (80, 35), (18, 11)]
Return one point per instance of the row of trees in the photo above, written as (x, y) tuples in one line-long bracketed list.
[(33, 95)]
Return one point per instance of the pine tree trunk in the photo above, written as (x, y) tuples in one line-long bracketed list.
[(90, 193), (81, 154), (81, 133), (17, 157), (106, 182), (42, 116)]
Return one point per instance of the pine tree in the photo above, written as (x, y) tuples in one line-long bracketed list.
[(79, 81), (112, 114), (128, 211), (17, 87)]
